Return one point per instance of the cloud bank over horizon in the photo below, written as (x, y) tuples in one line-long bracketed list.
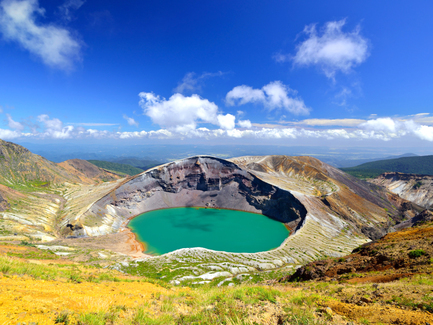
[(383, 128)]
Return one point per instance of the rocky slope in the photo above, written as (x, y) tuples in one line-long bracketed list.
[(35, 193), (412, 187), (87, 172), (388, 281), (20, 168), (395, 256), (366, 208)]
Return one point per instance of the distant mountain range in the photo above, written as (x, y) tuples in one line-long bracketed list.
[(123, 153), (422, 165), (343, 163), (121, 169), (141, 163), (126, 166)]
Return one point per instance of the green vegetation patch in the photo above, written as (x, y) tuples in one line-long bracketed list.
[(417, 185), (416, 253), (35, 255), (364, 173), (139, 163), (116, 167), (422, 165), (252, 295)]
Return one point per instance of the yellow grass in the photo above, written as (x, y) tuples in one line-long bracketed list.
[(24, 299)]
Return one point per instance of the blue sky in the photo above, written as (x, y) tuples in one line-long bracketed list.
[(343, 73)]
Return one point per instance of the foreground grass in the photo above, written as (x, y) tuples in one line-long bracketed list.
[(56, 293), (63, 292), (210, 305), (55, 270)]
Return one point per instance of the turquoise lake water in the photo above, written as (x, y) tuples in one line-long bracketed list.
[(166, 230)]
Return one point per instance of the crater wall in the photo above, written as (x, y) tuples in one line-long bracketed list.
[(198, 181)]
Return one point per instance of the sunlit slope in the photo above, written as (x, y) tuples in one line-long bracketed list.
[(413, 187), (36, 194), (21, 169), (87, 172), (42, 288), (369, 208)]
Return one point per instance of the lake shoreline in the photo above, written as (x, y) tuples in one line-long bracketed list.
[(212, 234)]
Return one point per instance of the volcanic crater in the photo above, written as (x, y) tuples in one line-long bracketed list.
[(193, 182)]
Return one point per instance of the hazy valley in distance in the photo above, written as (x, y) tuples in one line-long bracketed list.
[(337, 157)]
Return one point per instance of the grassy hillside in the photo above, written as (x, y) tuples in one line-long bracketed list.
[(409, 165), (116, 167), (55, 290), (40, 287), (22, 170)]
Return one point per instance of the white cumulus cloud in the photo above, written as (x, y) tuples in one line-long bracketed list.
[(53, 128), (245, 124), (181, 113), (226, 122), (130, 120), (272, 96), (9, 134), (56, 46), (390, 128), (13, 124), (331, 49), (385, 124), (424, 132)]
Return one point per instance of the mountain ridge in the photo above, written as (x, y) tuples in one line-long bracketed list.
[(412, 187), (421, 165)]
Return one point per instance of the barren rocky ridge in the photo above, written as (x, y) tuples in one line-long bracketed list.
[(412, 187)]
